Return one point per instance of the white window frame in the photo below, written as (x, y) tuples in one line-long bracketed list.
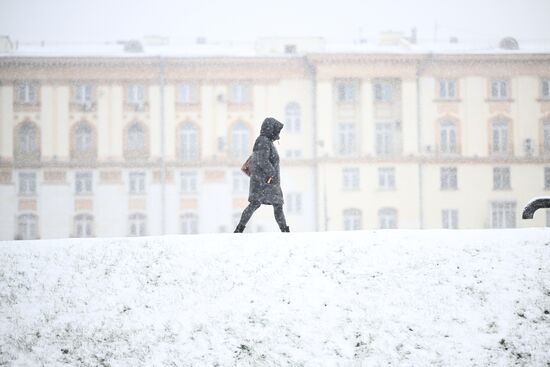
[(189, 141), (383, 91), (136, 137), (27, 92), (239, 93), (500, 136), (136, 93), (83, 136), (27, 183), (449, 218), (545, 88), (188, 182), (547, 178), (353, 218), (27, 138), (448, 143), (241, 182), (240, 140), (293, 117), (346, 91), (83, 93), (385, 137), (187, 93), (546, 137), (447, 89), (137, 224), (449, 178), (386, 178), (136, 182), (83, 183), (293, 203), (83, 225), (499, 89), (503, 214), (350, 178), (387, 218), (347, 136), (27, 226), (501, 178), (189, 223)]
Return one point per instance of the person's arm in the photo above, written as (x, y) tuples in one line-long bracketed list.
[(262, 155)]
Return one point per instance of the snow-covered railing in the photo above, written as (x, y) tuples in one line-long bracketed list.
[(534, 205)]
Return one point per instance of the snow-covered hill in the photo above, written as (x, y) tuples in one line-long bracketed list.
[(369, 298)]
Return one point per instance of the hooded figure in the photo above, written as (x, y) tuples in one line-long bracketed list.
[(265, 181)]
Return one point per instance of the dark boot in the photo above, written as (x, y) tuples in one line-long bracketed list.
[(285, 229), (239, 229)]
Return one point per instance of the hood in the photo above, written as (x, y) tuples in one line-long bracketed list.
[(271, 128)]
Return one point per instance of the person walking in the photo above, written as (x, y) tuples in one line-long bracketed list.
[(265, 180)]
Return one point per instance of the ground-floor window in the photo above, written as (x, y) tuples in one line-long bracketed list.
[(503, 214)]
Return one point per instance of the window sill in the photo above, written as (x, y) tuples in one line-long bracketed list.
[(504, 100), (502, 189), (389, 189), (447, 100), (449, 189)]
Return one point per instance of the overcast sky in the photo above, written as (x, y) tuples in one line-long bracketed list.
[(247, 20)]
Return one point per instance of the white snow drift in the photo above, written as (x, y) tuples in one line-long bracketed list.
[(369, 298)]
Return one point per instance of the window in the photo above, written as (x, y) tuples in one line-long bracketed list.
[(346, 91), (547, 217), (239, 93), (27, 183), (499, 89), (83, 225), (447, 137), (387, 218), (350, 178), (27, 227), (137, 224), (188, 182), (27, 93), (449, 218), (546, 137), (383, 91), (187, 93), (240, 182), (83, 93), (293, 153), (447, 89), (500, 137), (239, 141), (386, 178), (136, 137), (188, 142), (137, 182), (136, 94), (352, 219), (293, 202), (384, 133), (501, 178), (547, 178), (346, 138), (448, 178), (83, 140), (83, 183), (503, 214), (27, 138), (189, 223), (545, 92), (292, 114)]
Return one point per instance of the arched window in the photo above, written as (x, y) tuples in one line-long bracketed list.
[(239, 140), (189, 223), (448, 137), (188, 142), (137, 224), (27, 138), (352, 219), (293, 117), (387, 218), (500, 136), (136, 138), (83, 139), (83, 225), (27, 227)]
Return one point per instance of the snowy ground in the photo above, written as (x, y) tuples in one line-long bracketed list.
[(369, 298)]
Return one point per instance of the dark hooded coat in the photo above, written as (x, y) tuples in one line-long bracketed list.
[(265, 164)]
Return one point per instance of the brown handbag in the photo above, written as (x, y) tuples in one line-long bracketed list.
[(246, 166)]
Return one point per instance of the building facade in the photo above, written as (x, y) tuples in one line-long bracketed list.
[(130, 145)]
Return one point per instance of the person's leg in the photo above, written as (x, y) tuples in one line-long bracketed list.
[(247, 213), (280, 217)]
